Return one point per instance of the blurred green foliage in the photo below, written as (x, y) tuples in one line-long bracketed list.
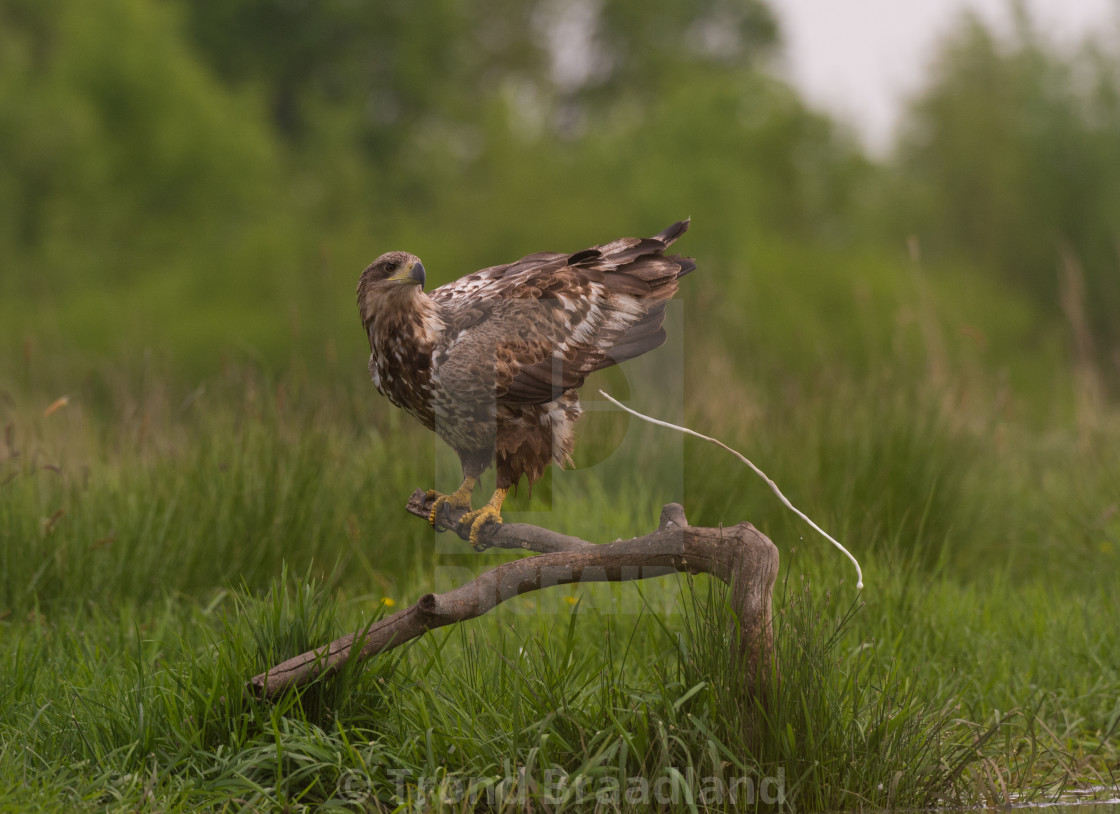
[(205, 180), (1011, 159), (189, 190), (198, 178)]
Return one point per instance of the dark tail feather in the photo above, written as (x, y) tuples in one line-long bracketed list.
[(671, 233), (687, 264)]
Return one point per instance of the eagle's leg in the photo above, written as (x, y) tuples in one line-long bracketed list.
[(459, 499), (491, 512)]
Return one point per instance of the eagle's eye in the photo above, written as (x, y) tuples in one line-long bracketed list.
[(390, 266)]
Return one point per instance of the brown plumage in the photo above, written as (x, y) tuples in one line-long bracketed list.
[(492, 361)]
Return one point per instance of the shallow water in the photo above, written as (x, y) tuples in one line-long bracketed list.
[(1097, 800), (1111, 806)]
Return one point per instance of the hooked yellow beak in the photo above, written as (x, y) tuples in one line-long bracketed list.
[(413, 274)]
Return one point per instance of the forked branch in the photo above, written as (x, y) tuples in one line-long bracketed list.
[(739, 555)]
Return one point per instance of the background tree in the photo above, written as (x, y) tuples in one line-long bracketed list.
[(1011, 158)]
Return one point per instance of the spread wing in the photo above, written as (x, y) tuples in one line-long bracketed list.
[(525, 332)]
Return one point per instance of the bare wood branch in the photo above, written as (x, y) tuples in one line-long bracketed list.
[(507, 535), (740, 556)]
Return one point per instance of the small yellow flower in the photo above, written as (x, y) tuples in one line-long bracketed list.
[(571, 600), (388, 601)]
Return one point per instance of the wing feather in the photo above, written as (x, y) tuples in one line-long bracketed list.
[(526, 332)]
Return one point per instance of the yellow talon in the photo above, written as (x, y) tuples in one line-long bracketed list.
[(459, 499), (491, 512)]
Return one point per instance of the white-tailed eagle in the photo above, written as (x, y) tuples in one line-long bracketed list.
[(492, 362)]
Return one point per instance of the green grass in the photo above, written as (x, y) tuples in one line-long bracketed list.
[(164, 539), (161, 547), (111, 713)]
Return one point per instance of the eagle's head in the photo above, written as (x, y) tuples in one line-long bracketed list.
[(390, 278)]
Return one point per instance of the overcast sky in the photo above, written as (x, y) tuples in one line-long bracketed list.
[(857, 59)]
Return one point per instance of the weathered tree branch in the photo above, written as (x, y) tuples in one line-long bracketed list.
[(507, 535), (740, 556)]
